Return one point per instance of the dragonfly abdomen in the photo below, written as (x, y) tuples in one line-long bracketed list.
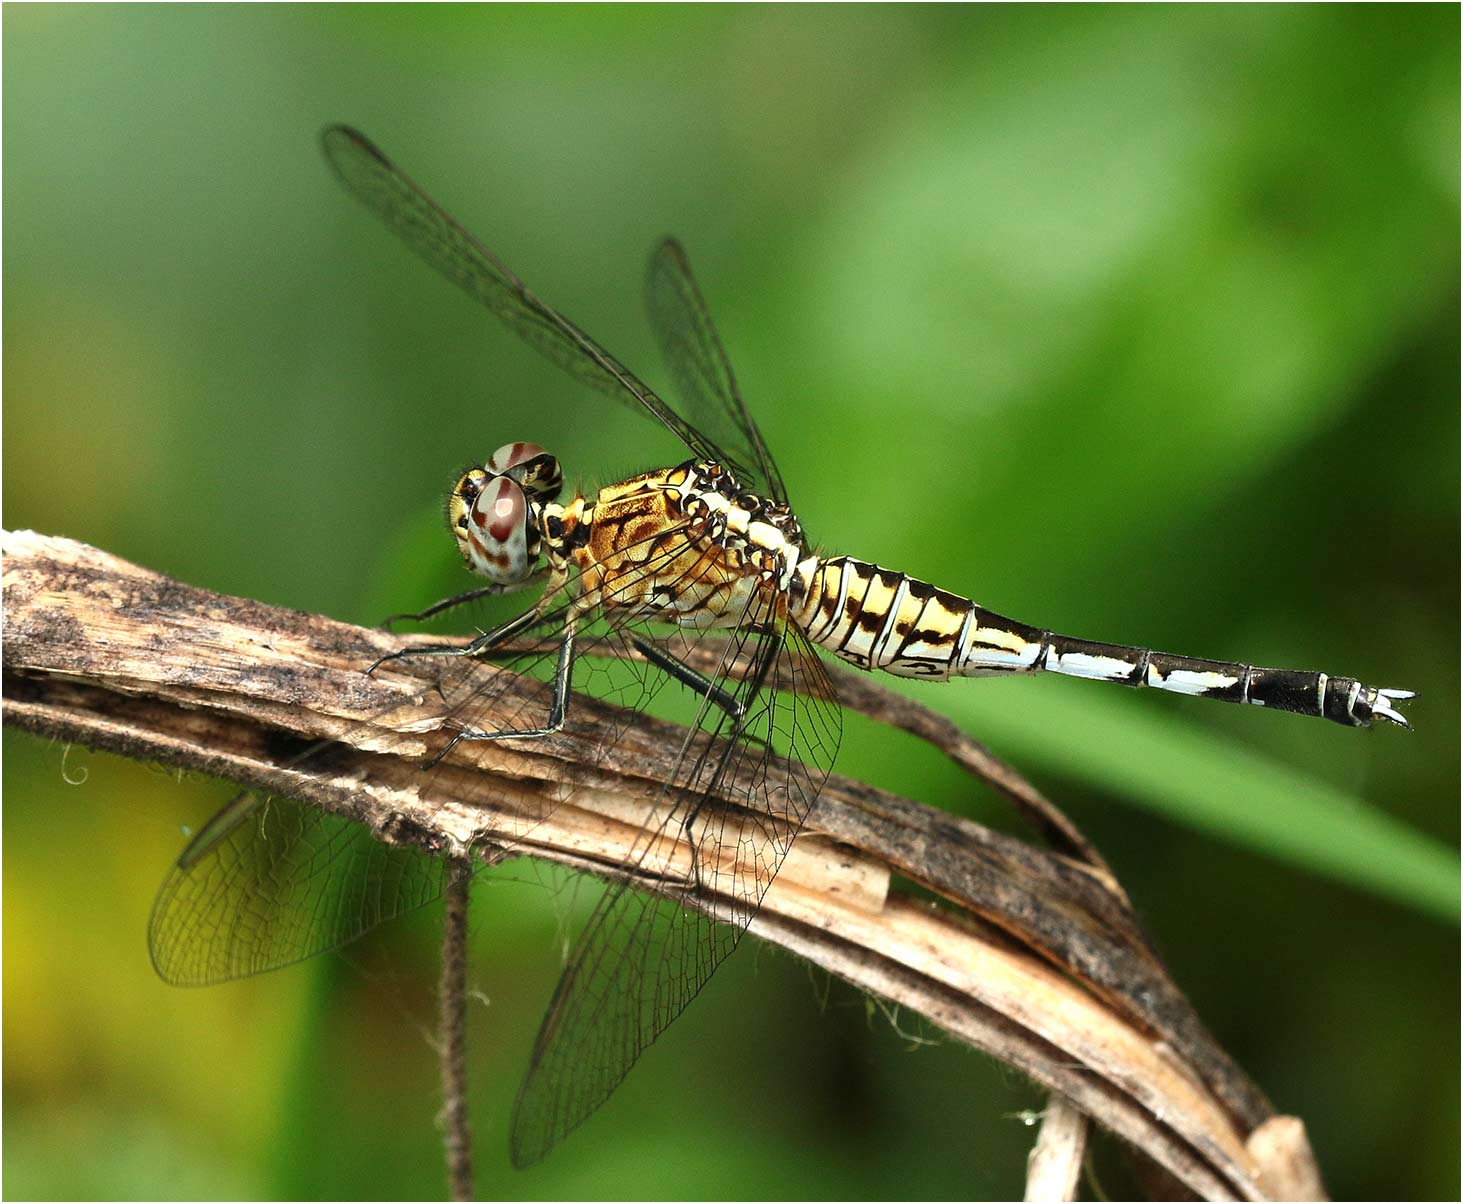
[(878, 619), (1300, 691)]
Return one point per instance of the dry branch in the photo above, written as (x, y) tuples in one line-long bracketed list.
[(1035, 957)]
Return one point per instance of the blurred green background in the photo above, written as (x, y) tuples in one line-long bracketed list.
[(1140, 323)]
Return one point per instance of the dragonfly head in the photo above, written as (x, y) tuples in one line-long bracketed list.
[(493, 510)]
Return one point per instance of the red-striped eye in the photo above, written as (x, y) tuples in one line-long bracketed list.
[(500, 509), (497, 539), (533, 468), (512, 454)]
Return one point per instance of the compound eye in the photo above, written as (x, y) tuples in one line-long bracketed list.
[(541, 477), (510, 455), (532, 467), (498, 542), (500, 509)]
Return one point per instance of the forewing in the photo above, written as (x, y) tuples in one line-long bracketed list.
[(702, 373), (643, 956), (438, 238)]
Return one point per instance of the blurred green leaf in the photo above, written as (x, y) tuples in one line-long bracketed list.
[(1187, 772)]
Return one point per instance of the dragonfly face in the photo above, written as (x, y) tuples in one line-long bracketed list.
[(494, 511)]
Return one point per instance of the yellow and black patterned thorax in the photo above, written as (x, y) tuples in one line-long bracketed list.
[(678, 545)]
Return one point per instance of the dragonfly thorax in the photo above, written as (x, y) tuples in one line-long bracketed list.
[(763, 533), (494, 510)]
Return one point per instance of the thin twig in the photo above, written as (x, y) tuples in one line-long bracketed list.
[(1034, 956), (452, 1000), (1055, 1162)]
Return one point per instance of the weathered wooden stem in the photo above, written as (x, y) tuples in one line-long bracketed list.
[(1034, 956)]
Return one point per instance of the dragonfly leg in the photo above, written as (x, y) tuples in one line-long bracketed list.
[(735, 710), (688, 676), (481, 646), (558, 701), (766, 659), (472, 595)]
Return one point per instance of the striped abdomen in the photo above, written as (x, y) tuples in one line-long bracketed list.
[(878, 619)]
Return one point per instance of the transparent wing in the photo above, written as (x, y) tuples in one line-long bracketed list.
[(268, 882), (702, 373), (437, 237), (643, 957)]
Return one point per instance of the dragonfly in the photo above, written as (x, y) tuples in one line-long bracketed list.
[(637, 576)]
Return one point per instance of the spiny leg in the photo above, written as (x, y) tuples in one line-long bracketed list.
[(483, 646), (704, 687), (768, 646), (479, 647), (688, 676), (483, 591), (558, 701)]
